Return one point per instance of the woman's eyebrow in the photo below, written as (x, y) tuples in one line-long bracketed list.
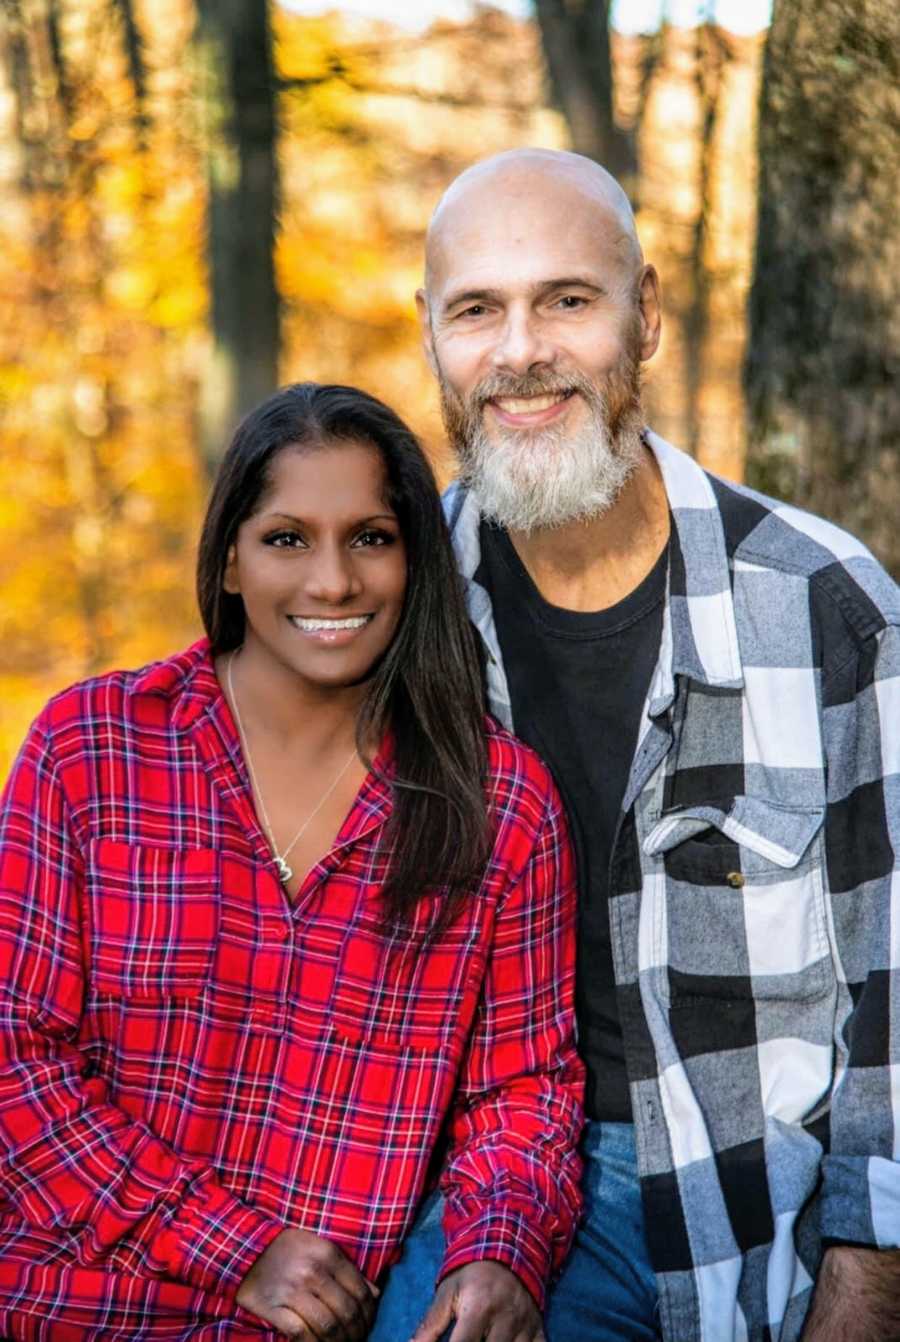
[(293, 517)]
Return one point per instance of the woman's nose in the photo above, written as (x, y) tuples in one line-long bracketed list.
[(331, 574)]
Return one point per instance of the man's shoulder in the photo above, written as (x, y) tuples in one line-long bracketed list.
[(772, 546), (780, 534), (759, 528)]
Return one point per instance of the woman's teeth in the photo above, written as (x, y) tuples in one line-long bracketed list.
[(313, 626)]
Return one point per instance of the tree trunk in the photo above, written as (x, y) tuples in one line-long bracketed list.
[(234, 42), (823, 371), (134, 47), (710, 55), (575, 38)]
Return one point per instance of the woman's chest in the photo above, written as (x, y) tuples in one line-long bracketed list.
[(212, 930)]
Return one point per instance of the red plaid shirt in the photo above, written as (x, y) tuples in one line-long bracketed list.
[(190, 1063)]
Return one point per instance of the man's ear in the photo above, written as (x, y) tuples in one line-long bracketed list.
[(424, 311), (650, 302), (230, 583)]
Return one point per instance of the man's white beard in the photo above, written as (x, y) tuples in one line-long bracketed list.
[(545, 478)]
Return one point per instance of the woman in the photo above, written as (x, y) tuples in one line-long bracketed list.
[(285, 924)]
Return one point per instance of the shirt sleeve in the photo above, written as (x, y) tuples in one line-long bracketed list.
[(860, 1195), (68, 1157), (512, 1179)]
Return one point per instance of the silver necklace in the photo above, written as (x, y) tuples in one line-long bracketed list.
[(280, 859)]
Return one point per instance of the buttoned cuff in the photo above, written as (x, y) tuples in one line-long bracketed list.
[(212, 1238), (509, 1234)]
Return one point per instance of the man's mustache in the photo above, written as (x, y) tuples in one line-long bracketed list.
[(499, 385)]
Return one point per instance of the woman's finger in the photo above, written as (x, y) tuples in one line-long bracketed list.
[(437, 1319), (322, 1324), (287, 1323), (354, 1315), (355, 1284)]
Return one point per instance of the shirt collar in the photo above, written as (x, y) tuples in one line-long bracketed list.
[(699, 637), (700, 605), (188, 679)]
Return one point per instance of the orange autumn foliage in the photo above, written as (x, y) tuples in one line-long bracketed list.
[(104, 294)]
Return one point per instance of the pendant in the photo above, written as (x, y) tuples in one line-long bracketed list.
[(284, 871)]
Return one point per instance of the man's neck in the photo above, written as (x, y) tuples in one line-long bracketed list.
[(592, 565)]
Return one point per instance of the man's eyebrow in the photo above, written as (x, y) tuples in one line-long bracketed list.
[(463, 296), (572, 282), (453, 300)]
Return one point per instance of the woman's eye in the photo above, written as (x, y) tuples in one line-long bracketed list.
[(373, 537), (285, 539)]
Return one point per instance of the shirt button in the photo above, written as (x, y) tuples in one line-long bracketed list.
[(735, 879), (281, 933)]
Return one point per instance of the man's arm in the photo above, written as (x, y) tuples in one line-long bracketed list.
[(857, 1297)]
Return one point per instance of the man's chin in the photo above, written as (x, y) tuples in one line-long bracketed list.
[(529, 522), (555, 483)]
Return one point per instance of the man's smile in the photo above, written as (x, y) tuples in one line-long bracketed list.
[(530, 410)]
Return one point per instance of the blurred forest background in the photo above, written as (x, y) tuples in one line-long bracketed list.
[(200, 199)]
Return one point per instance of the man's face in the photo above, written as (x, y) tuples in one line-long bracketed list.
[(535, 328)]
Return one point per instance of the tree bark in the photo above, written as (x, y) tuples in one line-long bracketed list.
[(823, 370), (234, 45), (575, 38), (134, 47), (711, 53)]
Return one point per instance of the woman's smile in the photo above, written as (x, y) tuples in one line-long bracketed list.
[(331, 629), (320, 567)]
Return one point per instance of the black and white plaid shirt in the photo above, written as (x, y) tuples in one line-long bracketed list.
[(755, 905)]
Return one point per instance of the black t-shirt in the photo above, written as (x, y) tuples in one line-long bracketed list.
[(577, 684)]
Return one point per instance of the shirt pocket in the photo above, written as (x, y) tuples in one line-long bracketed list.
[(741, 913), (407, 992), (153, 919)]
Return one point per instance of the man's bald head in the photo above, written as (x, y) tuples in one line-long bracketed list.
[(519, 176)]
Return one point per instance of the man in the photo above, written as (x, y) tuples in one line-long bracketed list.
[(715, 680)]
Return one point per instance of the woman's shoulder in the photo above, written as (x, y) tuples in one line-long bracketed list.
[(517, 777), (144, 692)]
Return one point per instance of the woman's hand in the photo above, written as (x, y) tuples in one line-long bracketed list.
[(487, 1301), (309, 1290)]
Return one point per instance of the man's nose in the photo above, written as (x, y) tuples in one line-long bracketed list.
[(331, 574), (522, 343)]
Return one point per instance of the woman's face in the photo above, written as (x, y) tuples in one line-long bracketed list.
[(321, 565)]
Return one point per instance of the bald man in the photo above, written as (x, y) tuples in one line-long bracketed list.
[(714, 678)]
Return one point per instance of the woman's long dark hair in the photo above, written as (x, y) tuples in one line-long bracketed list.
[(427, 687)]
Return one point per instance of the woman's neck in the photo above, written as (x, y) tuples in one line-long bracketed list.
[(278, 707)]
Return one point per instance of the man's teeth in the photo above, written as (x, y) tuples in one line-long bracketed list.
[(311, 626), (529, 405)]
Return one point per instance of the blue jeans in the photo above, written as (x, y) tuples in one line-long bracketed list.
[(607, 1290)]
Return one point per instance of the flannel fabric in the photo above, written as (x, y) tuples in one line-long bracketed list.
[(192, 1063), (755, 905)]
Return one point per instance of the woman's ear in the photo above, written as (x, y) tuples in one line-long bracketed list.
[(230, 581)]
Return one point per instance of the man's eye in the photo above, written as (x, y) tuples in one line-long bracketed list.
[(475, 310), (570, 302)]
